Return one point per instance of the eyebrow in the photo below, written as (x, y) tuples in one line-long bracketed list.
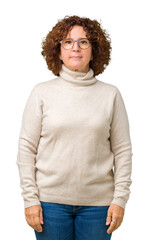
[(76, 39)]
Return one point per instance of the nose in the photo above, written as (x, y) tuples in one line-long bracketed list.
[(75, 46)]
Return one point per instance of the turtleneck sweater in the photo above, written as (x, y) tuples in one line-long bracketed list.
[(77, 78), (74, 145)]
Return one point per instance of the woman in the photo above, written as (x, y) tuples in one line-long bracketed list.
[(74, 154)]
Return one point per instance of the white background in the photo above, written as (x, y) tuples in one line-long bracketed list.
[(23, 25)]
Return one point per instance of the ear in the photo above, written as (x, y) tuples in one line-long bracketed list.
[(60, 57)]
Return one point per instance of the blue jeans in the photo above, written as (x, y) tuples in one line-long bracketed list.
[(73, 222)]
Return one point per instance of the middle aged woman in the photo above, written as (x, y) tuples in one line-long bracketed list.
[(74, 131)]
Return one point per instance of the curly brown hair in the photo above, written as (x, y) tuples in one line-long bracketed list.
[(100, 40)]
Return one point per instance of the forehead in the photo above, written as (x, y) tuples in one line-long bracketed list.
[(76, 32)]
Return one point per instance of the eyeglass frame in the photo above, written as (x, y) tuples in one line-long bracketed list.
[(77, 43)]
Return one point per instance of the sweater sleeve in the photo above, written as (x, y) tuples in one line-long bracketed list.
[(121, 147), (27, 148)]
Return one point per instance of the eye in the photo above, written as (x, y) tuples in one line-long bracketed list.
[(83, 42), (68, 41)]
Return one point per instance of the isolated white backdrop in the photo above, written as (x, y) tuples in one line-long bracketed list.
[(23, 25)]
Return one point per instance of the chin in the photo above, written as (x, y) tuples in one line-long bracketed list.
[(76, 67)]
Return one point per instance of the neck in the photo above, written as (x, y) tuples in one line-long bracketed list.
[(77, 78)]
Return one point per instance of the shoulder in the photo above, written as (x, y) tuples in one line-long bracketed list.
[(108, 88), (44, 86)]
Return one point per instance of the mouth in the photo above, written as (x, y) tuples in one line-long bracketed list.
[(75, 57)]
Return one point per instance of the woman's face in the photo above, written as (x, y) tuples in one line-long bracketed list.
[(80, 64)]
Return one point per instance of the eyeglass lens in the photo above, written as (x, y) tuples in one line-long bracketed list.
[(68, 43)]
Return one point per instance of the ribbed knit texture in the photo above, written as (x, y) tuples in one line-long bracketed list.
[(74, 145)]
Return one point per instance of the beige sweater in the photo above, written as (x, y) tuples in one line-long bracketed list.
[(74, 145)]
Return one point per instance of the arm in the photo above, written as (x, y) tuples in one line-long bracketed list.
[(121, 147), (27, 148)]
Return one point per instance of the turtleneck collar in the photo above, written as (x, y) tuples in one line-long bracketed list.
[(77, 78)]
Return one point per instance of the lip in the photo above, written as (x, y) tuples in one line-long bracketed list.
[(76, 57)]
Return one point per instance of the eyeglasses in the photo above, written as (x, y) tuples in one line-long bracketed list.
[(68, 43)]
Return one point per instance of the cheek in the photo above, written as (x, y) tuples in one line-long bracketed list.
[(65, 53), (88, 55)]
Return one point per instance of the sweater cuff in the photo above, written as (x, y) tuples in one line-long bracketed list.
[(119, 202), (31, 203)]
